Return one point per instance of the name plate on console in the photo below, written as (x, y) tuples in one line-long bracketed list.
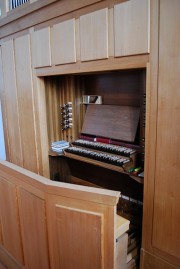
[(115, 122)]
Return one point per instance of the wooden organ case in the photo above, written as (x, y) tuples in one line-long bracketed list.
[(106, 140)]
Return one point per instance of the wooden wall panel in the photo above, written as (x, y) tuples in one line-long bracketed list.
[(151, 261), (78, 231), (34, 232), (131, 27), (41, 48), (10, 220), (1, 238), (11, 102), (53, 104), (41, 125), (166, 236), (3, 106), (85, 227), (25, 102), (94, 35), (63, 42)]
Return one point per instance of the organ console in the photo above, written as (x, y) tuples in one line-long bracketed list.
[(111, 122), (108, 152)]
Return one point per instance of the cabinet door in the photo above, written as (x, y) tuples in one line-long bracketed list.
[(131, 27), (11, 103), (94, 35), (41, 49), (79, 236), (63, 42)]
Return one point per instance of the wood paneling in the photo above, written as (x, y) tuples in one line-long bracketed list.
[(131, 27), (10, 219), (78, 231), (41, 125), (153, 262), (12, 113), (1, 238), (3, 107), (131, 62), (151, 126), (121, 88), (8, 261), (166, 236), (63, 42), (25, 102), (111, 32), (41, 50), (81, 221), (34, 233), (94, 35), (41, 11)]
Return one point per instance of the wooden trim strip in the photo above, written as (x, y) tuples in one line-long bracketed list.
[(129, 62)]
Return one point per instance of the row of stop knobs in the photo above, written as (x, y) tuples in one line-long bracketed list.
[(66, 116)]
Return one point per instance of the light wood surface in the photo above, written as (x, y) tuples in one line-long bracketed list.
[(122, 225), (91, 213), (151, 125), (81, 222), (131, 62), (33, 228), (121, 253), (1, 239), (153, 262), (41, 48), (131, 27), (161, 125), (43, 11), (3, 107), (94, 35), (63, 42), (167, 198), (8, 260), (11, 103), (41, 125), (25, 102), (78, 231), (161, 203), (10, 221), (111, 32)]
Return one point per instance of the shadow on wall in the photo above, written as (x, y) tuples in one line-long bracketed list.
[(2, 145)]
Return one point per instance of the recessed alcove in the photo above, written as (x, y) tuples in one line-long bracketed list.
[(119, 88)]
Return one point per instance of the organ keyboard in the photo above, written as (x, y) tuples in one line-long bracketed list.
[(114, 157)]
